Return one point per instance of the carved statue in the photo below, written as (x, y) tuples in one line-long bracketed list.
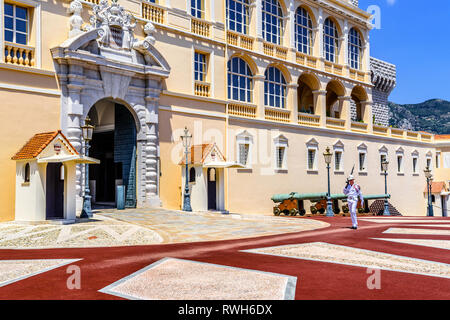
[(75, 21), (143, 45)]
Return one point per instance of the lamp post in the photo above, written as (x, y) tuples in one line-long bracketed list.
[(328, 155), (87, 130), (429, 177), (186, 138), (384, 167)]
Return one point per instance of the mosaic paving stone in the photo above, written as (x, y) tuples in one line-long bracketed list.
[(16, 270), (418, 231), (326, 252), (441, 244), (177, 279)]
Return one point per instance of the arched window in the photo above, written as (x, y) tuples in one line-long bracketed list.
[(26, 173), (354, 49), (272, 21), (274, 88), (192, 174), (240, 82), (303, 31), (330, 41), (238, 15)]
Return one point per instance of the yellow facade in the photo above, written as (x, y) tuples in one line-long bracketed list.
[(31, 97)]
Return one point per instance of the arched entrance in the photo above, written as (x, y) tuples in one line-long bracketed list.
[(114, 144)]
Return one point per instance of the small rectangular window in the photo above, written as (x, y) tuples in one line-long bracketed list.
[(399, 164), (243, 153), (280, 157), (362, 161), (429, 162), (337, 160), (414, 165), (198, 9), (382, 159), (311, 158)]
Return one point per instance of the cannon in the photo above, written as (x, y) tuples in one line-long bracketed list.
[(293, 203)]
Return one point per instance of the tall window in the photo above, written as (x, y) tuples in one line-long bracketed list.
[(338, 160), (330, 41), (399, 163), (238, 15), (354, 49), (272, 21), (414, 159), (362, 161), (198, 9), (192, 174), (243, 153), (383, 158), (16, 24), (303, 31), (274, 88), (26, 173), (280, 157), (200, 66), (240, 83), (311, 158)]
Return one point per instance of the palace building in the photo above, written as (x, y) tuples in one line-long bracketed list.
[(263, 86)]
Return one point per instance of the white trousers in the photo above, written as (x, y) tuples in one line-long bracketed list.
[(352, 207)]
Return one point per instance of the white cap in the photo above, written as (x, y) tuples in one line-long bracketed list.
[(350, 177)]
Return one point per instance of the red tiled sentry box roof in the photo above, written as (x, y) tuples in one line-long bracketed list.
[(198, 154), (437, 187), (37, 143)]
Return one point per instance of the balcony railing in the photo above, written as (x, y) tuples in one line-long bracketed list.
[(308, 119), (426, 137), (277, 114), (335, 123), (240, 40), (395, 132), (335, 68), (19, 54), (357, 75), (202, 89), (152, 12), (382, 130), (242, 110), (359, 126), (200, 27), (275, 51), (306, 60), (411, 135)]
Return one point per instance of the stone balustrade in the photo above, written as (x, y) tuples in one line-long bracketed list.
[(19, 54)]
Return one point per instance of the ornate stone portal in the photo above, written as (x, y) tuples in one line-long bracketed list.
[(106, 61)]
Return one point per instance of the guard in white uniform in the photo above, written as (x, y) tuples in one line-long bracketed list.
[(353, 193)]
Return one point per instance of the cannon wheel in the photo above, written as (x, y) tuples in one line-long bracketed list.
[(302, 212), (293, 212), (276, 211), (286, 212)]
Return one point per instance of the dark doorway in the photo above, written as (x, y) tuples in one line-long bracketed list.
[(54, 191), (212, 189), (116, 150)]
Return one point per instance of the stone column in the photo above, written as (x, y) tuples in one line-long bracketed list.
[(367, 114), (259, 95), (151, 148), (320, 106), (346, 112), (292, 101)]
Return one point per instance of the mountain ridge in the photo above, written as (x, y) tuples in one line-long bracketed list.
[(432, 116)]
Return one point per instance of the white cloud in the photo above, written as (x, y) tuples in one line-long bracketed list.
[(391, 2)]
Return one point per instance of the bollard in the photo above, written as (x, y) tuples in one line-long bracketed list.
[(120, 197)]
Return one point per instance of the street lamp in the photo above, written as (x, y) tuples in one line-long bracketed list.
[(384, 167), (86, 131), (186, 138), (328, 155), (429, 177)]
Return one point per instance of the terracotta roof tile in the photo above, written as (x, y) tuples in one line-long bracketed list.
[(36, 144), (442, 137), (437, 187)]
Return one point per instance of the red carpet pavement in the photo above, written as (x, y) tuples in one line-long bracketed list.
[(315, 280)]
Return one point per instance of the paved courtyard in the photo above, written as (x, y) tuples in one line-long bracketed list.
[(144, 254)]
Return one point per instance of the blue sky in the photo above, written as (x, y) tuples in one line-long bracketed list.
[(414, 35)]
